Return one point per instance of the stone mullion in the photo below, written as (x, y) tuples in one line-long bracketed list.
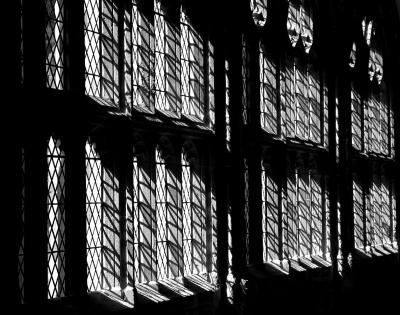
[(36, 220), (75, 216), (75, 50)]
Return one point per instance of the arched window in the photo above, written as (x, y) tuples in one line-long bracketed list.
[(372, 122), (102, 49), (259, 11), (303, 87), (55, 41), (55, 219)]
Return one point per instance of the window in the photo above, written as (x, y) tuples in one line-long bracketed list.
[(304, 94), (102, 49), (307, 209), (268, 97), (259, 11), (56, 219), (167, 61), (139, 63), (194, 216), (103, 238), (373, 135), (161, 221), (94, 175), (374, 208), (295, 211), (55, 41), (192, 68)]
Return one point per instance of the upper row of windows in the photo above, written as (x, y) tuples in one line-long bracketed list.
[(169, 67)]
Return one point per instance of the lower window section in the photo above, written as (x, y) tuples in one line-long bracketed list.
[(374, 207), (295, 212)]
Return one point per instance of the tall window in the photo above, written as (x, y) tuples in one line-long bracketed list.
[(374, 207), (102, 49), (55, 41), (161, 210), (55, 219), (167, 61), (194, 218), (139, 62), (372, 123), (270, 213), (192, 68), (93, 217), (304, 92), (307, 209), (268, 95)]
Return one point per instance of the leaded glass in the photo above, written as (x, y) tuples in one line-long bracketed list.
[(55, 220), (93, 217), (192, 68), (161, 210), (92, 47), (55, 41), (268, 96)]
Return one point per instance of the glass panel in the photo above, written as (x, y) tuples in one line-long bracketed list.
[(56, 220), (55, 44), (93, 217), (268, 100), (92, 47), (161, 209), (142, 71), (192, 69)]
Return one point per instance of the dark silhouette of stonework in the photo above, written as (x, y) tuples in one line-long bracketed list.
[(201, 157)]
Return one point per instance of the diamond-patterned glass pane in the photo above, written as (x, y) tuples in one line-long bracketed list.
[(55, 220), (187, 216), (192, 73), (268, 100), (92, 47), (21, 260), (93, 217), (161, 209), (133, 226), (55, 44), (167, 62), (142, 68), (374, 208), (270, 197)]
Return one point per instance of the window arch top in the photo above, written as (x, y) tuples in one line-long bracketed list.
[(300, 24), (259, 12)]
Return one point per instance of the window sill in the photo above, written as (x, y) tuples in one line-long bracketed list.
[(376, 251), (289, 267), (170, 289)]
